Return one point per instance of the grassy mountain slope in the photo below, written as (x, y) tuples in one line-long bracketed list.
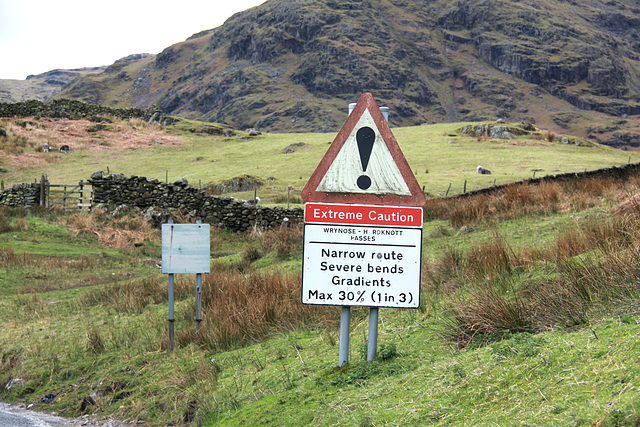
[(529, 309), (293, 66), (438, 154)]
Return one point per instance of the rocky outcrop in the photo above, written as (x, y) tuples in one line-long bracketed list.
[(494, 130)]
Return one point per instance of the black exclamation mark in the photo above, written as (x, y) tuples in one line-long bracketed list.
[(365, 138)]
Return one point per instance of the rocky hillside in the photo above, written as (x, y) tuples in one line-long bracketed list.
[(42, 86), (570, 66)]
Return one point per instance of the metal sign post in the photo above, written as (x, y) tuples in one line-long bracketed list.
[(198, 301), (345, 321), (186, 248), (171, 316), (363, 231)]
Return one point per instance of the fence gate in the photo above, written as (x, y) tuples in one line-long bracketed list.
[(68, 197)]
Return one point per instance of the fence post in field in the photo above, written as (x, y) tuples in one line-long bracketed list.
[(64, 198), (43, 191), (80, 194)]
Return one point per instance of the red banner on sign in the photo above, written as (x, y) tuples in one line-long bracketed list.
[(388, 216)]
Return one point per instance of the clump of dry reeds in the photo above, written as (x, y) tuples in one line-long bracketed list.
[(521, 199), (117, 232), (592, 267), (284, 241), (135, 296), (242, 308), (140, 124)]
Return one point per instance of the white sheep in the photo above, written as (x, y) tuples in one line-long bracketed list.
[(252, 201), (483, 171)]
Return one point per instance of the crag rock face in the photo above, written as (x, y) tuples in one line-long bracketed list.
[(294, 66)]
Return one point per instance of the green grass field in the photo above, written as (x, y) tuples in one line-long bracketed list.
[(529, 310), (442, 159)]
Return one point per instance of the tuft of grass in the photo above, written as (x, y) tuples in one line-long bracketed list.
[(95, 343)]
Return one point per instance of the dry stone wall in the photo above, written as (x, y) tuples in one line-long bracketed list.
[(21, 196), (226, 212), (615, 172), (66, 108)]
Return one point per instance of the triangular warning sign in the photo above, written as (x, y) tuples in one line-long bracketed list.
[(364, 164)]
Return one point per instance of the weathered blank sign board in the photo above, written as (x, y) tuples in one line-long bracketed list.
[(186, 248)]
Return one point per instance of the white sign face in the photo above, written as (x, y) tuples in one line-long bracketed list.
[(357, 160), (350, 263), (186, 248)]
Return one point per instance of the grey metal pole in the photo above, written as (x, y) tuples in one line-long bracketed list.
[(372, 344), (372, 340), (198, 301), (345, 319), (345, 316), (171, 318)]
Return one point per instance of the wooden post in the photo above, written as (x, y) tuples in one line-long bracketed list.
[(449, 188), (465, 187), (43, 189), (80, 194)]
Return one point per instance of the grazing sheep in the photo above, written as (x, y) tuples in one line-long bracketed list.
[(46, 147), (252, 201), (483, 171)]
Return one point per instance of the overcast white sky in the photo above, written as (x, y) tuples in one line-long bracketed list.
[(42, 35)]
